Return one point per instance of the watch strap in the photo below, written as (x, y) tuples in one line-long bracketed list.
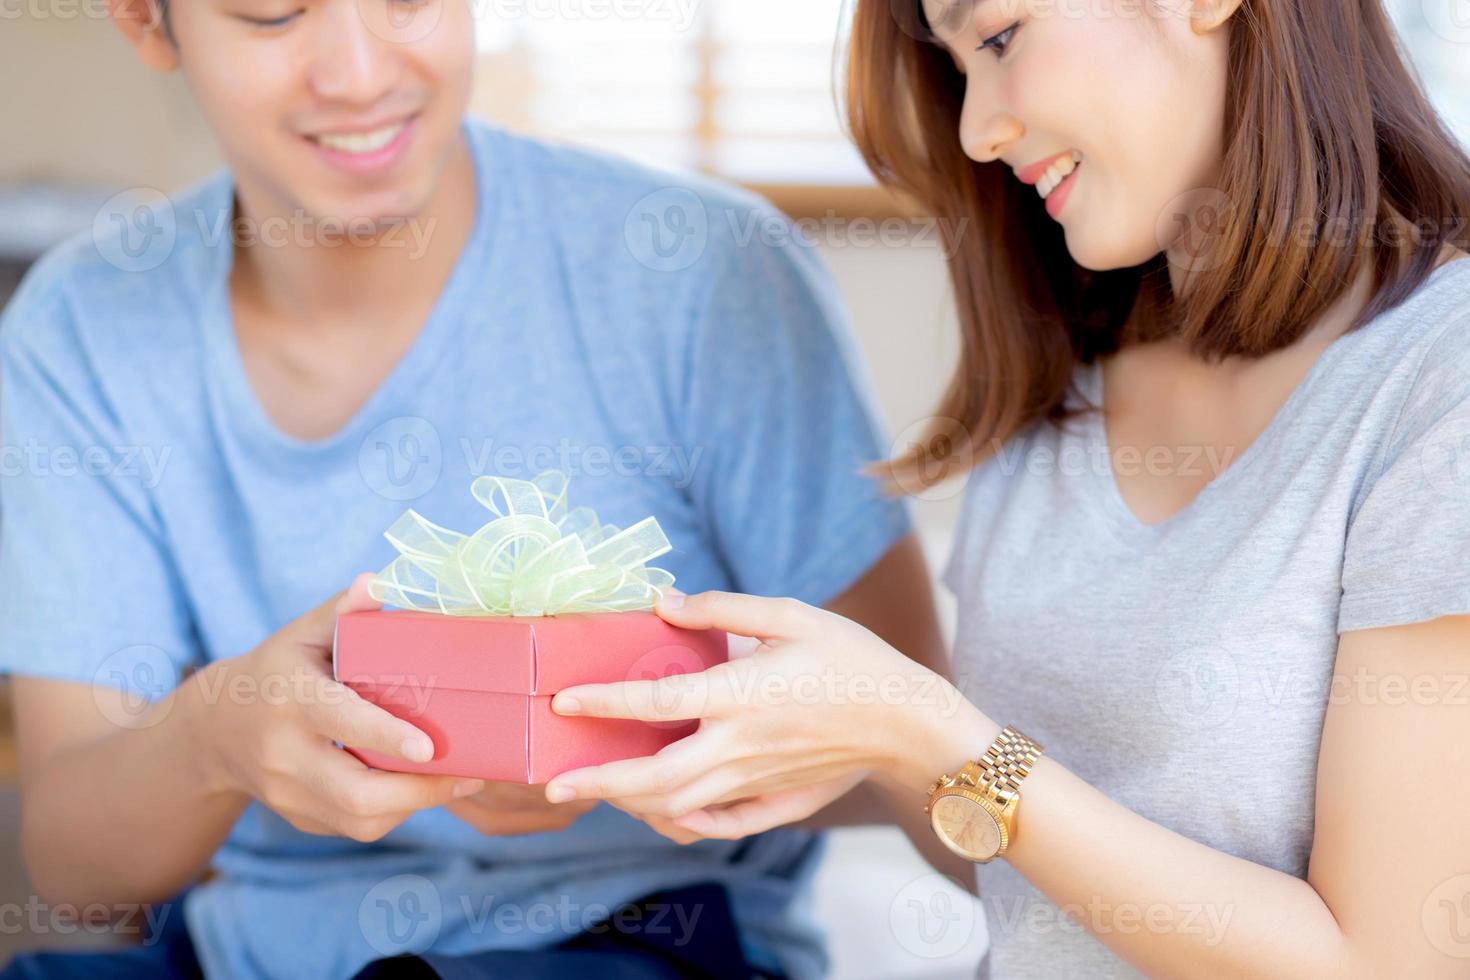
[(998, 773)]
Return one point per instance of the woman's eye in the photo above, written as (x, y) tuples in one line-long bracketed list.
[(998, 42)]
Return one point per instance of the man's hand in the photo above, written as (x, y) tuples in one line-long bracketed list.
[(510, 809), (281, 750)]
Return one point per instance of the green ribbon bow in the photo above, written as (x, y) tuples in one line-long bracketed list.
[(535, 558)]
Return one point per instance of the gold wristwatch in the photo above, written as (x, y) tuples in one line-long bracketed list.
[(974, 812)]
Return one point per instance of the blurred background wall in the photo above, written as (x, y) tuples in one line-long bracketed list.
[(738, 88)]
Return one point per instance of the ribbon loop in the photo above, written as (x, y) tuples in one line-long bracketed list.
[(535, 557)]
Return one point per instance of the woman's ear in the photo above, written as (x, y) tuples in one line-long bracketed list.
[(142, 23), (1208, 15)]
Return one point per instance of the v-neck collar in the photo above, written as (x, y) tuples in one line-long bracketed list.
[(437, 336), (1105, 490)]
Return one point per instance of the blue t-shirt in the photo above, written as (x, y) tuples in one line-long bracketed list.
[(624, 325)]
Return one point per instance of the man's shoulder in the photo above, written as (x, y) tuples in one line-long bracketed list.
[(145, 260), (579, 170), (670, 220)]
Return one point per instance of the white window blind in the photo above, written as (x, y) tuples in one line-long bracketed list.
[(740, 88)]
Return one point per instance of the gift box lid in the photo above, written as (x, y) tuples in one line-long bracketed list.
[(534, 656)]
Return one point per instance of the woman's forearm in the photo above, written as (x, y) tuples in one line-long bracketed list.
[(129, 817), (1214, 915), (1169, 905)]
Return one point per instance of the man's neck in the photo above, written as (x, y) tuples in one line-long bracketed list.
[(334, 274)]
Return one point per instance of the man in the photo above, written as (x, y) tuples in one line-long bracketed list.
[(375, 303)]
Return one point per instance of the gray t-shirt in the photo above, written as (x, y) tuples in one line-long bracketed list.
[(1184, 669)]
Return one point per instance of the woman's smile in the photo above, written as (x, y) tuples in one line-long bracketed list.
[(1056, 186), (1053, 178)]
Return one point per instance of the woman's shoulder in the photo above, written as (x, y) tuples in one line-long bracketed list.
[(1424, 338), (1442, 298), (1446, 288), (1414, 364), (1438, 323)]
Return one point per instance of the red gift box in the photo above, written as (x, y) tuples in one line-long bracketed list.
[(481, 687)]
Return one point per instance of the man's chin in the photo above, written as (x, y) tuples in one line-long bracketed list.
[(366, 215)]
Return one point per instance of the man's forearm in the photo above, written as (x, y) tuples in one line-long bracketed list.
[(128, 818)]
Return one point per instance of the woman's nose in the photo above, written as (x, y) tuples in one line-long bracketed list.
[(985, 129)]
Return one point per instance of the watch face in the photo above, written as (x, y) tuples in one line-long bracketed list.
[(966, 827)]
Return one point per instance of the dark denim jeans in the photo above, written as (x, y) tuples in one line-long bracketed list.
[(617, 951)]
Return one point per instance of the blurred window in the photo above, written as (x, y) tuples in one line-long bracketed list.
[(739, 88)]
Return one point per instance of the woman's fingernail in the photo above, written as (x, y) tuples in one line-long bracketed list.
[(468, 787), (567, 706), (560, 794), (416, 748), (672, 599)]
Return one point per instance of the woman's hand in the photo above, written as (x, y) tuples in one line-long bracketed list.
[(662, 825), (732, 821), (269, 720), (820, 704)]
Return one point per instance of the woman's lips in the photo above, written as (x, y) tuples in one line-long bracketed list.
[(1033, 172), (1057, 199)]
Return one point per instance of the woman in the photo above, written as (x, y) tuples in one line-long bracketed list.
[(1215, 391)]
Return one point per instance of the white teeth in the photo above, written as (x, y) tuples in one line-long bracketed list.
[(1057, 173), (361, 143)]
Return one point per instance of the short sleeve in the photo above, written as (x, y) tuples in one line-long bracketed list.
[(780, 406), (88, 592), (1407, 557)]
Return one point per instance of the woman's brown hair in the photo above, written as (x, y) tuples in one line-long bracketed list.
[(1333, 159)]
